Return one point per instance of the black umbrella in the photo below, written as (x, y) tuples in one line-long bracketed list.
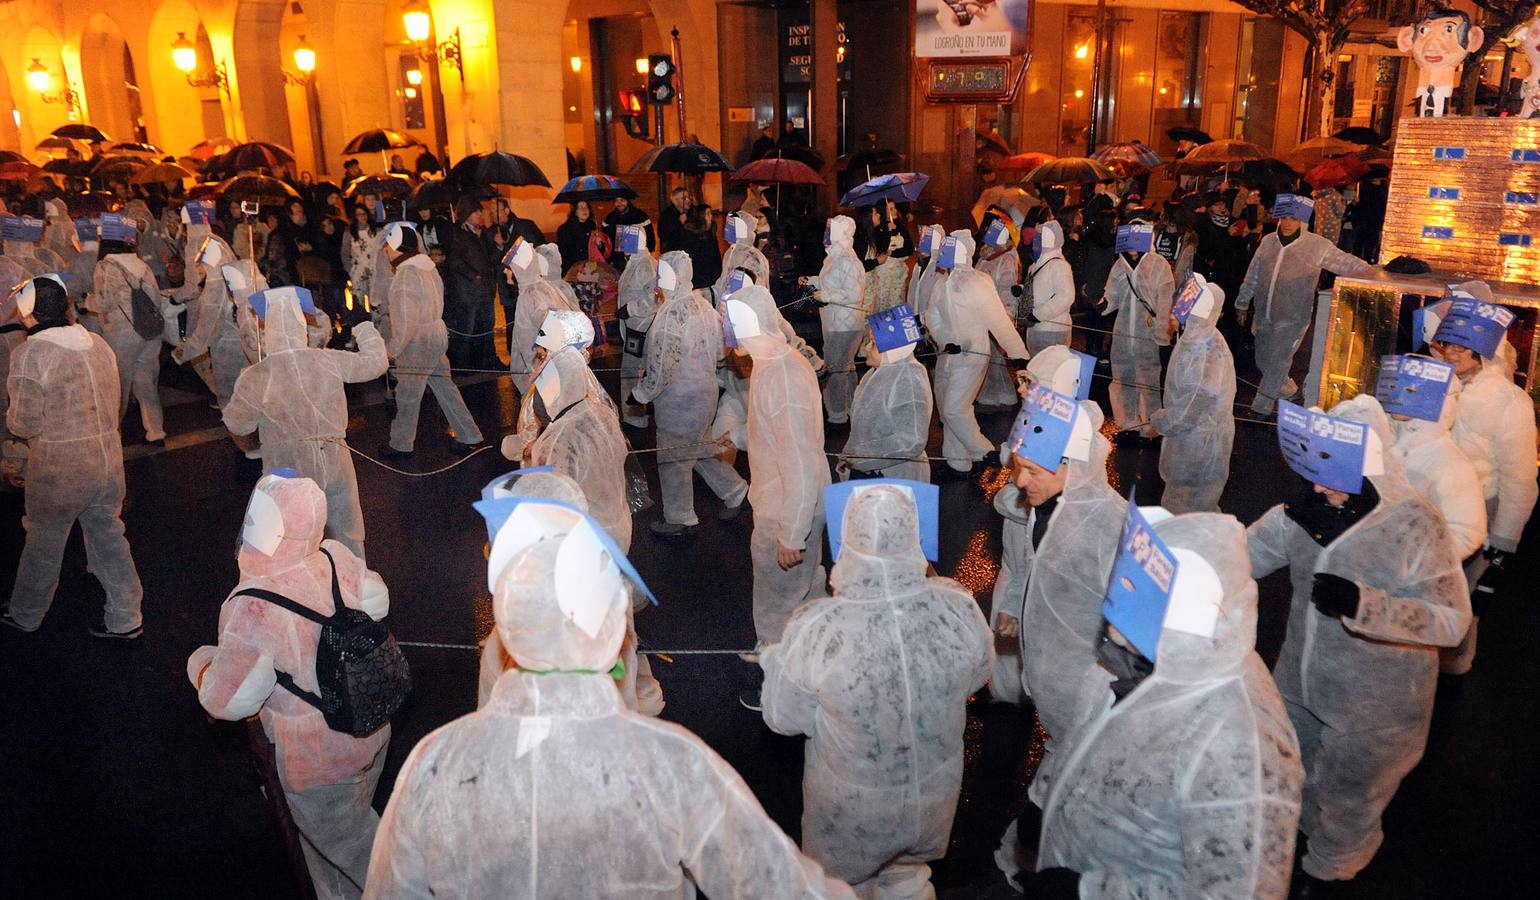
[(497, 167), (1184, 133), (80, 131), (1358, 134), (434, 192), (12, 156), (1266, 173), (70, 168), (263, 189), (391, 186), (109, 167), (252, 155), (869, 160), (380, 140), (683, 159)]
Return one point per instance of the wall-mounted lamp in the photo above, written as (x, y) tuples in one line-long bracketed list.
[(185, 56), (40, 80)]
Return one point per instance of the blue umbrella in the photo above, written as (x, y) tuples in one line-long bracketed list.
[(594, 187), (903, 187)]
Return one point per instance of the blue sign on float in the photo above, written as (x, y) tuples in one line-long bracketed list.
[(1521, 198), (1448, 152), (1443, 193), (1514, 239), (1529, 155), (1437, 233)]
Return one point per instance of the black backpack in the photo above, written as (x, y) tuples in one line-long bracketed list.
[(146, 318), (362, 674)]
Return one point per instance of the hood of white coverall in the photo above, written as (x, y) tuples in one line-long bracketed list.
[(1052, 243), (745, 230), (553, 261), (1392, 485), (679, 261), (842, 232), (880, 553), (302, 506), (1221, 541), (284, 327), (1198, 327), (1090, 476), (535, 630), (532, 272), (758, 298), (965, 249), (545, 486), (572, 371)]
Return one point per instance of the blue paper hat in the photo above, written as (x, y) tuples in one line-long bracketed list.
[(894, 328), (496, 513), (21, 228), (302, 296), (1187, 298), (738, 279), (505, 485), (1413, 386), (198, 212), (994, 233), (1425, 322), (1475, 325), (928, 242), (1324, 449), (1293, 206), (86, 230), (1135, 237), (116, 227), (631, 239), (946, 257), (927, 502), (730, 230), (1139, 591), (1045, 428), (1087, 372)]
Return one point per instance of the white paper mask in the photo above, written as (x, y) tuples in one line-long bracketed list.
[(263, 528), (668, 279)]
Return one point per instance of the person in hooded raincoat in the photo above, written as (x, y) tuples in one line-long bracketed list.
[(12, 333), (787, 473), (740, 254), (680, 381), (62, 390), (1282, 279), (118, 272), (1000, 262), (1197, 416), (1139, 290), (1053, 290), (553, 788), (635, 308), (328, 776), (878, 677), (841, 286), (203, 252), (1441, 474), (537, 296), (417, 346), (553, 273), (581, 439), (215, 334), (1186, 783), (1377, 589), (923, 282), (966, 319), (292, 398), (890, 420)]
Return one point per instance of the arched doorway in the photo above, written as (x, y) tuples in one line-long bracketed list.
[(111, 82), (415, 84), (262, 63), (10, 117), (41, 109), (174, 98)]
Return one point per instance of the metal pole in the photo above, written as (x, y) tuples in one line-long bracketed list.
[(679, 83), (657, 115), (1096, 77)]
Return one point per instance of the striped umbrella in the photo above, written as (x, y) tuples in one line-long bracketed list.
[(1069, 170), (594, 187), (1127, 156)]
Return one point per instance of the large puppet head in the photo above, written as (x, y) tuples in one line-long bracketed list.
[(1439, 43)]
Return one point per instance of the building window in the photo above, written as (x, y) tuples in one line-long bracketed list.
[(1178, 83)]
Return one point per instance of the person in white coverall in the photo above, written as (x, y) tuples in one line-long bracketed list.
[(1377, 589), (878, 677), (203, 252), (1139, 290), (636, 305), (118, 272), (1002, 265), (62, 391), (1186, 783), (554, 789), (965, 316), (841, 288), (1282, 279), (925, 277), (890, 420), (328, 776), (787, 474), (1053, 290), (1440, 473), (680, 381), (293, 399), (418, 346), (214, 336), (1197, 415), (740, 254), (537, 296)]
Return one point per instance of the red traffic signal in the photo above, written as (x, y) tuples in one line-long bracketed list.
[(633, 113)]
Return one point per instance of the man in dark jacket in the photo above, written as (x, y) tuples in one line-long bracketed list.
[(671, 221), (499, 236), (627, 213), (470, 289)]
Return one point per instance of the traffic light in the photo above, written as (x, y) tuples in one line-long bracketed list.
[(660, 78), (633, 114)]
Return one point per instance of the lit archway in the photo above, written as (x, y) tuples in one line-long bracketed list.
[(260, 64), (177, 127), (111, 80), (10, 117), (46, 104)]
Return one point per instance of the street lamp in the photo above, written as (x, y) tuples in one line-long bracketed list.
[(185, 56), (39, 79), (415, 18), (418, 25), (304, 56)]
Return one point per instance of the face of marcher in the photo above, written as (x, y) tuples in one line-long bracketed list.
[(1039, 484), (1288, 226), (1335, 498), (1465, 361)]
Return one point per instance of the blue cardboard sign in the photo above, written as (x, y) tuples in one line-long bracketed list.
[(496, 513), (997, 235), (894, 328), (1475, 325), (1413, 386), (1443, 193), (1044, 427), (117, 227), (1294, 207), (738, 280), (1449, 153), (1139, 591), (300, 295), (947, 257), (631, 238), (1323, 449), (24, 229), (928, 242), (86, 230), (927, 503), (1136, 237), (1437, 233), (730, 230), (1186, 298), (1087, 370), (198, 212)]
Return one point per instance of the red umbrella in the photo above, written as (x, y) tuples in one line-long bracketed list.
[(1022, 163), (777, 171), (18, 171), (1337, 172), (207, 150)]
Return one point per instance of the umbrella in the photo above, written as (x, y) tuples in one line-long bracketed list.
[(380, 140), (1337, 172), (903, 187), (1132, 153), (18, 170), (133, 148), (1227, 152), (110, 167), (1267, 173), (264, 189), (207, 150), (1358, 134), (685, 159), (496, 167), (1022, 163), (777, 171), (797, 153), (206, 190), (594, 187), (1070, 170), (252, 155), (70, 168), (1317, 149), (161, 173), (391, 186), (80, 131), (11, 156), (66, 144), (1005, 196), (434, 192), (1185, 133)]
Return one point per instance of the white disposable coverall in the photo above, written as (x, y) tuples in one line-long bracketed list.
[(742, 254), (1360, 690), (63, 395), (841, 284), (1282, 279), (293, 398), (1440, 473), (138, 359), (1189, 786), (328, 776), (553, 274), (583, 442), (878, 677), (1141, 298), (553, 790), (1004, 271), (216, 330), (1198, 415), (1495, 427), (890, 421), (1053, 291), (418, 347), (638, 292), (537, 297)]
